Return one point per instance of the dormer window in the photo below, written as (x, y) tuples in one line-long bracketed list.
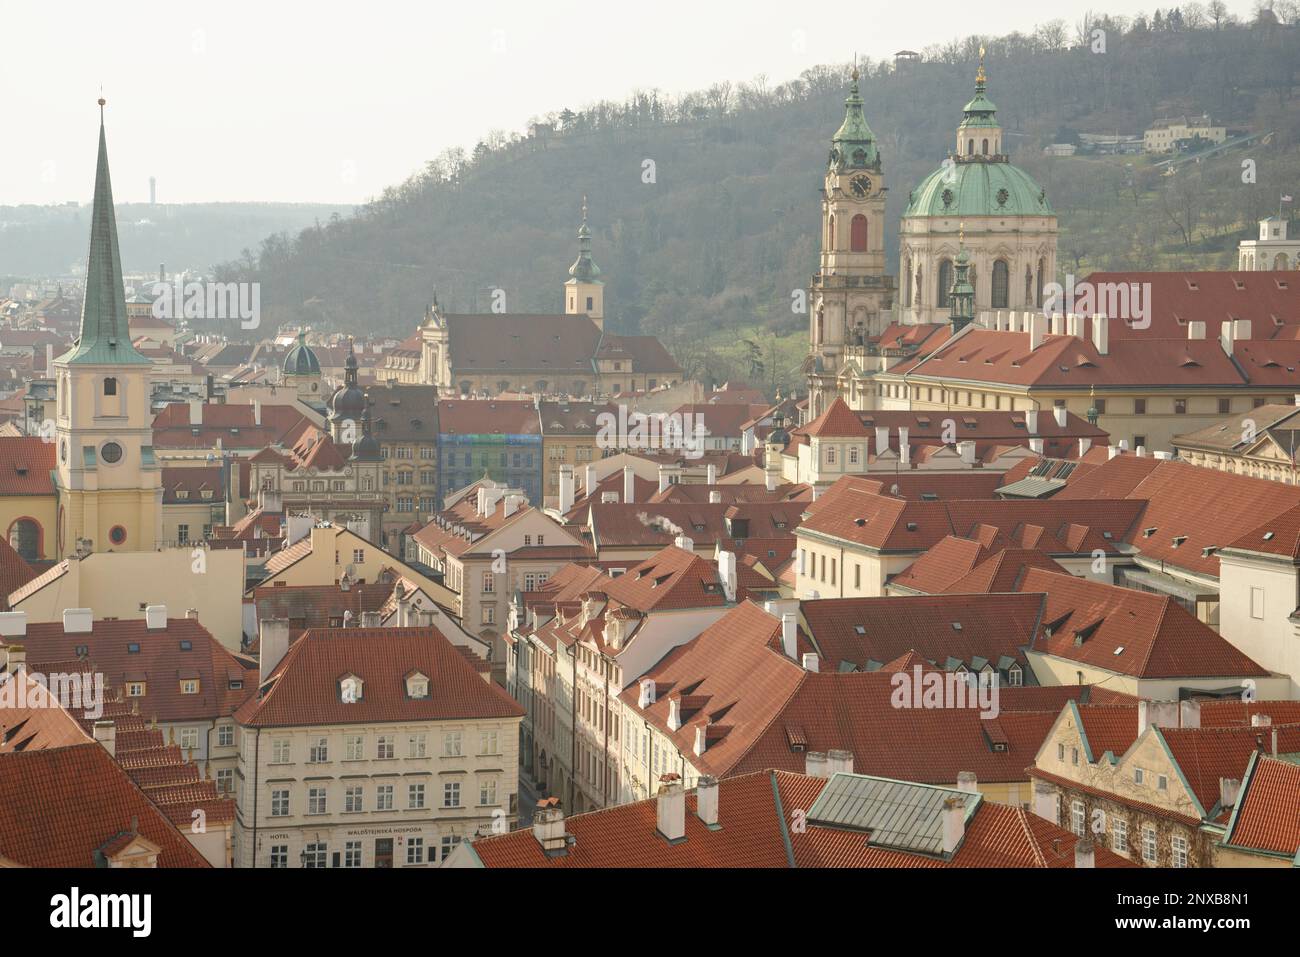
[(351, 689), (190, 686), (417, 686)]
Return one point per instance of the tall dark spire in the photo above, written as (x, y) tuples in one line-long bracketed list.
[(961, 298), (105, 335), (584, 270)]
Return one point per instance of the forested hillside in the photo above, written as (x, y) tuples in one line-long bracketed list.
[(704, 207)]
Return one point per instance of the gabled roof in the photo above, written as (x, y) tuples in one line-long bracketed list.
[(1130, 632), (303, 688), (14, 572), (60, 807), (1267, 816), (671, 578), (25, 465), (838, 421)]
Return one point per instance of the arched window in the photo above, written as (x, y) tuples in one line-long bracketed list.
[(1038, 288), (110, 386), (1001, 284), (1029, 287), (984, 147), (858, 234), (907, 285), (1281, 262), (944, 297), (920, 288), (830, 233), (25, 539), (970, 147)]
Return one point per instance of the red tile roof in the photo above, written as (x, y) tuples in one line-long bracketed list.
[(233, 425), (315, 606), (14, 572), (1215, 296), (753, 813), (1204, 755), (487, 417), (1267, 817), (25, 465), (304, 687), (60, 806), (1130, 632)]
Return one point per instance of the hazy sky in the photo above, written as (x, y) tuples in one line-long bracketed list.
[(331, 102)]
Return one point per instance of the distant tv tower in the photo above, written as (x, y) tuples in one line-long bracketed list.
[(153, 191)]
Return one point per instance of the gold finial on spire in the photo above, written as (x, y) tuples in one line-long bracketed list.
[(961, 232), (979, 74), (584, 207), (855, 68)]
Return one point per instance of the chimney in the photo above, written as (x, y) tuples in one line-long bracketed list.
[(273, 642), (1045, 803), (1057, 324), (647, 693), (684, 543), (589, 478), (713, 474), (548, 827), (727, 574), (77, 621), (670, 810), (370, 619), (663, 478), (1100, 337), (1036, 444), (257, 412), (1084, 446), (192, 614), (769, 480), (882, 439), (1111, 452), (155, 617), (106, 734), (810, 661), (1189, 714), (904, 451), (1225, 336), (629, 487), (511, 506), (16, 659), (817, 765), (701, 739), (954, 823), (966, 781), (1031, 421), (1260, 721), (967, 452), (715, 497), (675, 712), (424, 617), (839, 762), (1140, 451), (1196, 329), (1241, 330), (1074, 325), (1037, 322), (1229, 788), (1085, 854), (13, 624), (196, 411), (1062, 415), (706, 801), (789, 631), (1159, 714)]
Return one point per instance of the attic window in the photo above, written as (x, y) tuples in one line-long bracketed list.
[(911, 526), (351, 689), (1118, 651), (956, 626), (236, 684), (417, 686), (929, 497), (1179, 539), (860, 629), (187, 645), (133, 648), (859, 522), (1268, 536), (1148, 532)]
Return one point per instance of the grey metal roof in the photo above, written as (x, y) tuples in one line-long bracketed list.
[(1032, 488), (899, 814)]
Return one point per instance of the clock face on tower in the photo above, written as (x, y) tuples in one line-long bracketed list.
[(861, 186)]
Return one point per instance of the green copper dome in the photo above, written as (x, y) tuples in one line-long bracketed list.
[(301, 360), (979, 189), (854, 145)]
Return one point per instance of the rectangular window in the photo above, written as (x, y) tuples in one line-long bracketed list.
[(384, 797), (1225, 406), (354, 747), (1139, 406), (487, 792), (1119, 832), (451, 794), (1149, 844), (1180, 406), (280, 751), (448, 845), (451, 744), (415, 745), (1256, 602), (415, 850), (489, 743), (189, 739), (320, 751), (384, 747), (182, 534), (358, 556), (279, 856), (352, 854), (1078, 819), (315, 856), (1178, 847), (225, 735), (316, 800), (489, 582), (280, 802), (353, 799), (226, 781), (414, 796)]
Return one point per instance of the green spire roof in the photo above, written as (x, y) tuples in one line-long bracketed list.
[(105, 337), (980, 111), (584, 270), (854, 145), (300, 359)]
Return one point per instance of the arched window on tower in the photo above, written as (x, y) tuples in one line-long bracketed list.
[(1281, 262), (984, 147), (1001, 285), (858, 234), (943, 298), (970, 147), (110, 386), (1038, 288), (907, 285), (920, 287), (830, 232), (1029, 287)]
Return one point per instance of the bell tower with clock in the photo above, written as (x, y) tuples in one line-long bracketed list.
[(107, 482), (851, 297)]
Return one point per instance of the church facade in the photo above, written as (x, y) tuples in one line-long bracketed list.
[(977, 210)]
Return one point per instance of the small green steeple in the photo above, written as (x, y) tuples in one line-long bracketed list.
[(962, 295), (105, 336), (584, 270), (854, 145), (980, 111)]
